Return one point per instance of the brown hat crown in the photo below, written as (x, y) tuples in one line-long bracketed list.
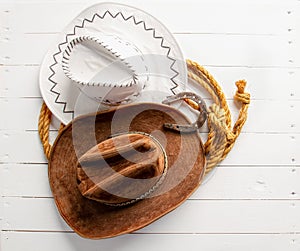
[(122, 169), (70, 177)]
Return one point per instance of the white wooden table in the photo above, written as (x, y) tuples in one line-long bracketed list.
[(252, 202)]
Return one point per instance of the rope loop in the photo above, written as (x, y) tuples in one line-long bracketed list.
[(221, 136)]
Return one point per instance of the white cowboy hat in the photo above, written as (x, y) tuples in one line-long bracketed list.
[(158, 64)]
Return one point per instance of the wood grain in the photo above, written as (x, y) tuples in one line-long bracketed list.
[(179, 242), (194, 216)]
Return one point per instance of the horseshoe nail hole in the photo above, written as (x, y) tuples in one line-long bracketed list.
[(293, 170), (291, 61), (293, 125), (6, 11), (6, 70), (289, 30), (293, 137), (291, 72), (292, 94), (293, 193), (291, 106), (290, 42), (293, 159)]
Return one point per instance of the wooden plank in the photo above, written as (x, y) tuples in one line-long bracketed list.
[(254, 182), (264, 149), (280, 84), (23, 113), (25, 49), (197, 17), (24, 180), (263, 115), (263, 83), (12, 241), (194, 216), (209, 49), (233, 50), (19, 81), (28, 180), (21, 147), (250, 149)]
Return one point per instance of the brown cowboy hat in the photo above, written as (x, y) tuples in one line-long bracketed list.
[(117, 171)]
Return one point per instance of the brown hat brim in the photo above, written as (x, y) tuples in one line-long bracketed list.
[(91, 219)]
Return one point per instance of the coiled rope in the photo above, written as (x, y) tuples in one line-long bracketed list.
[(221, 136)]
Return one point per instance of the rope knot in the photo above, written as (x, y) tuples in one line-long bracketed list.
[(240, 94), (218, 112)]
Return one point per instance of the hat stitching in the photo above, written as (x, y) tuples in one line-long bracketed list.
[(160, 180), (57, 101)]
